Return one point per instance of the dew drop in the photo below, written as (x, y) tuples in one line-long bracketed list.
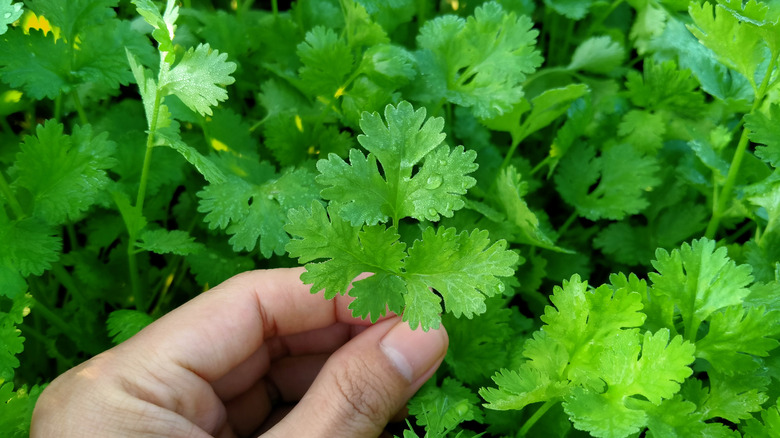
[(432, 212), (434, 182), (501, 287)]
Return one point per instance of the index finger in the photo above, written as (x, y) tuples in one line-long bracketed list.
[(219, 329)]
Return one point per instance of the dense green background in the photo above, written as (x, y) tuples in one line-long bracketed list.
[(602, 130)]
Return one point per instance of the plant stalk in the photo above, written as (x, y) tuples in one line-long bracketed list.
[(5, 189), (79, 108), (529, 423)]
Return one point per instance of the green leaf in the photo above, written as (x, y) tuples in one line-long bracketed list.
[(768, 427), (700, 280), (662, 86), (619, 188), (16, 409), (442, 408), (463, 267), (64, 174), (478, 346), (9, 12), (164, 27), (739, 44), (735, 334), (76, 15), (765, 129), (162, 241), (326, 60), (29, 246), (205, 166), (360, 29), (197, 79), (11, 340), (656, 375), (34, 63), (254, 211), (480, 62), (598, 54), (573, 9), (522, 387), (349, 251), (407, 139), (124, 323), (510, 190), (644, 130)]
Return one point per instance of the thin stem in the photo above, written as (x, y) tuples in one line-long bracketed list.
[(541, 164), (68, 330), (517, 137), (64, 277), (139, 202), (79, 108), (529, 423), (5, 189), (275, 7), (574, 215)]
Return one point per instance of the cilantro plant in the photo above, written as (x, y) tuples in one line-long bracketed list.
[(585, 194)]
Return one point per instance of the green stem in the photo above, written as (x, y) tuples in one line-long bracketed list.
[(69, 330), (275, 7), (517, 137), (597, 22), (79, 108), (535, 417), (568, 223), (541, 164), (65, 279), (719, 204), (5, 189)]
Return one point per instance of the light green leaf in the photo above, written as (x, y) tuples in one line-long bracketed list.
[(700, 280), (599, 54), (124, 323), (162, 241), (9, 12), (199, 77)]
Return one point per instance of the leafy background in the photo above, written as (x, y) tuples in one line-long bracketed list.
[(625, 155)]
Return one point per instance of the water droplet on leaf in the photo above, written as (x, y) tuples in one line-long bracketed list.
[(434, 182), (432, 212)]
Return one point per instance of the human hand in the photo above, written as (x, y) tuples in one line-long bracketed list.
[(220, 364)]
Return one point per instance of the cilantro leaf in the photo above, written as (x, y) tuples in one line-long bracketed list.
[(764, 129), (735, 334), (461, 267), (597, 55), (9, 12), (16, 409), (124, 323), (644, 130), (197, 79), (619, 188), (399, 146), (64, 174), (162, 241), (477, 347), (768, 427), (164, 27), (327, 60), (739, 43), (11, 341), (656, 375), (76, 15), (349, 251), (442, 408), (254, 211), (480, 62), (662, 86), (700, 280), (29, 246), (34, 62)]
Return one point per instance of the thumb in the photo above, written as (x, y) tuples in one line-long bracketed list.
[(366, 382)]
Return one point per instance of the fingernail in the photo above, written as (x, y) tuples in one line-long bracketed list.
[(413, 352)]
